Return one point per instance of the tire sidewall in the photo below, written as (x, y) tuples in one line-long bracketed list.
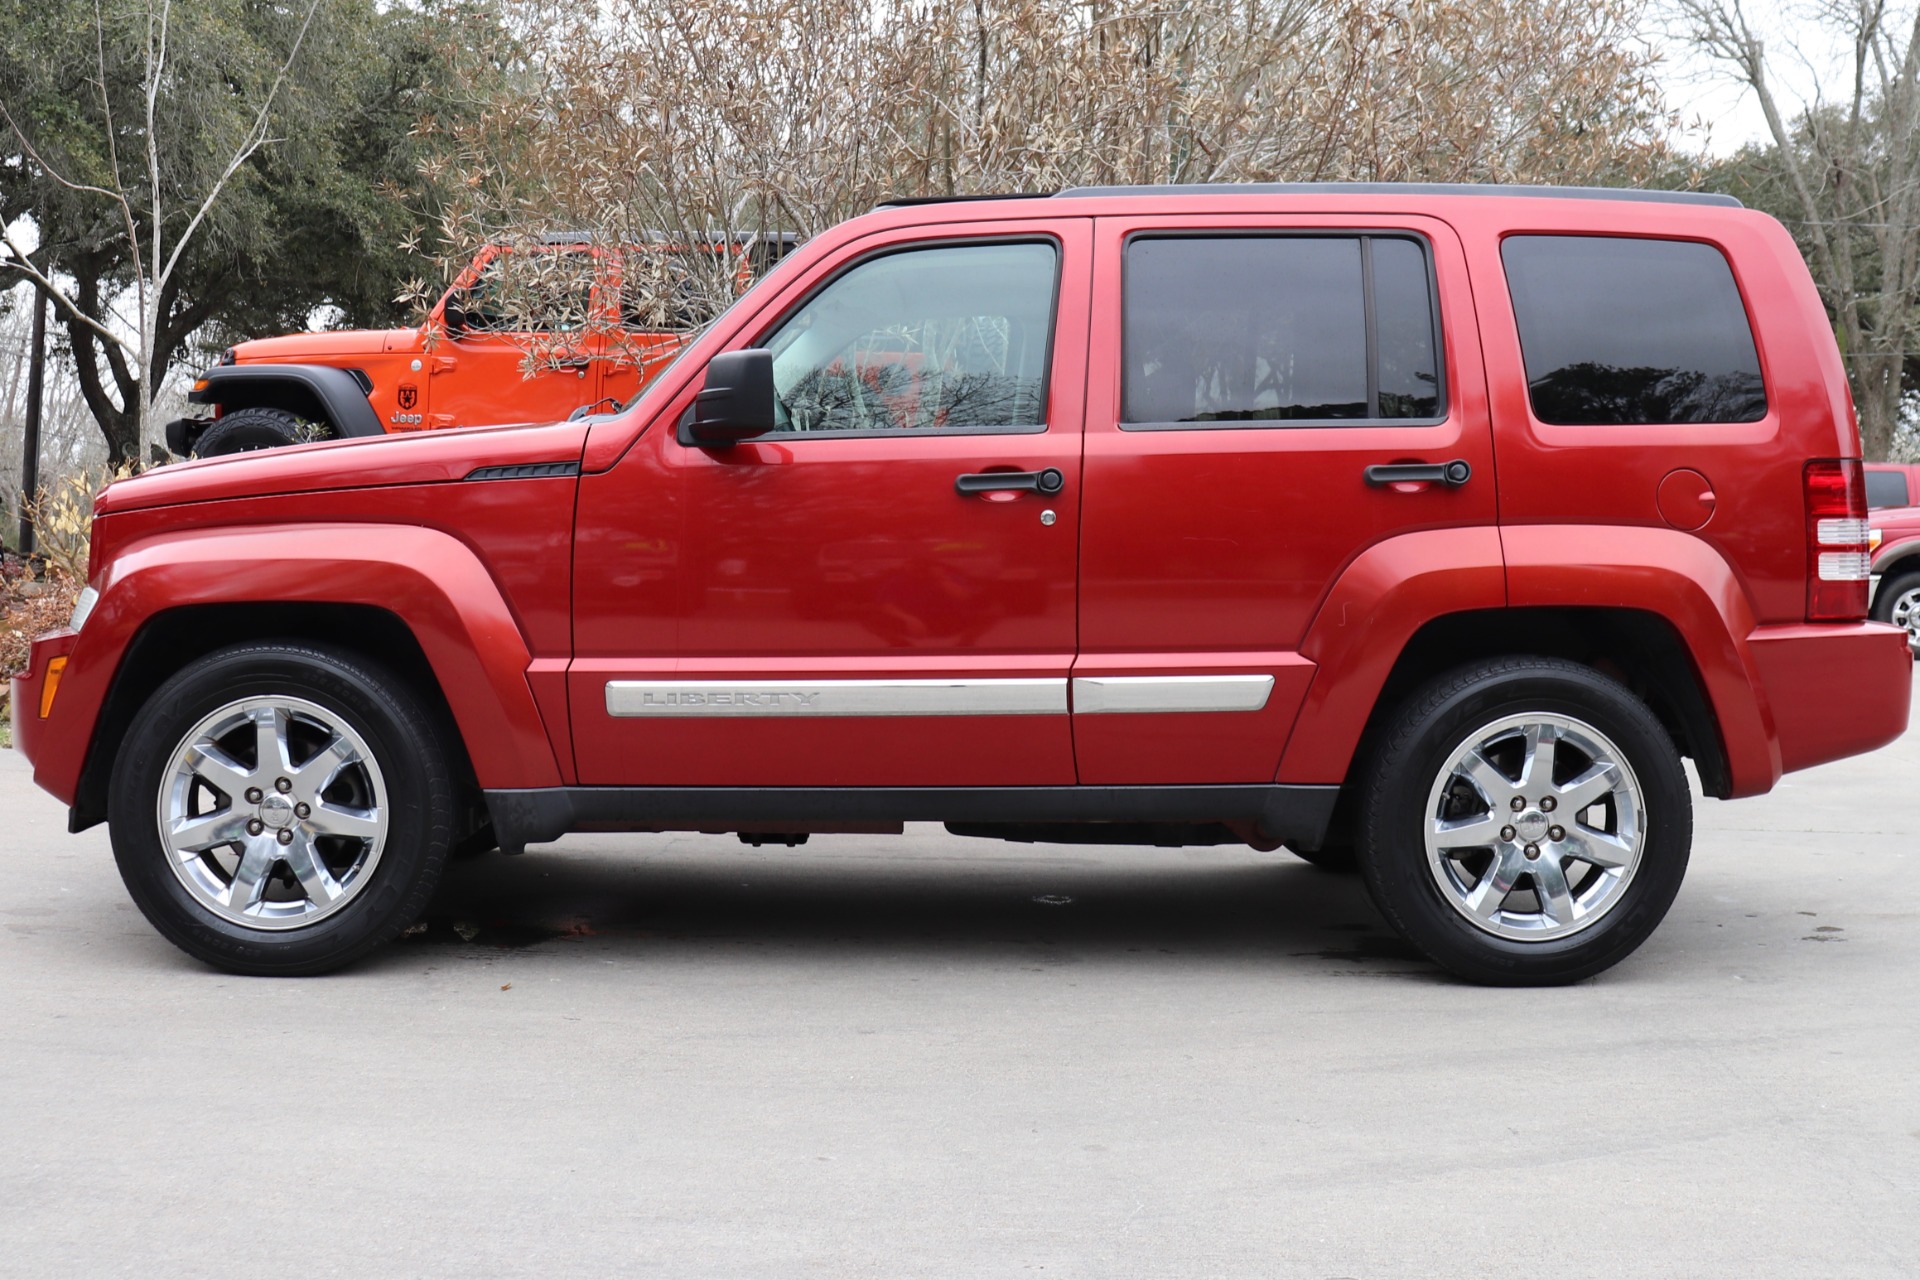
[(419, 804), (1890, 591), (246, 430), (1393, 847)]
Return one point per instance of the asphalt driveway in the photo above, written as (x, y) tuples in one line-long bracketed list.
[(929, 1056)]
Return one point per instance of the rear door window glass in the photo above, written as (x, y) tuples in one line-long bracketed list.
[(1299, 329), (1618, 331)]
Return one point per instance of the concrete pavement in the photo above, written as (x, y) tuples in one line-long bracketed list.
[(927, 1056)]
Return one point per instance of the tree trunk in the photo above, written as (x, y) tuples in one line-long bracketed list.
[(1877, 401)]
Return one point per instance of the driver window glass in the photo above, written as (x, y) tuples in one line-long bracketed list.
[(947, 339), (534, 292)]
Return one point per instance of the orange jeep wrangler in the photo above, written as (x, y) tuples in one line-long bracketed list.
[(493, 350)]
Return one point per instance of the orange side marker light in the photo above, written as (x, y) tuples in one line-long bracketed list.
[(56, 667)]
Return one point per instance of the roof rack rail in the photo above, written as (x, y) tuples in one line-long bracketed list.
[(904, 202), (1633, 194)]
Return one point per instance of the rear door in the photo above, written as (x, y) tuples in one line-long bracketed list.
[(881, 593), (1247, 371)]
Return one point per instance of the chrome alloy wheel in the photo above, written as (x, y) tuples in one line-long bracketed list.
[(273, 813), (1906, 613), (1534, 827)]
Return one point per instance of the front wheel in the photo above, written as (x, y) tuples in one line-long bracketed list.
[(280, 809), (1526, 822), (1898, 601), (244, 430)]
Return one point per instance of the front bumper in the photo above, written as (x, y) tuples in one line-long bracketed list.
[(34, 735), (184, 433)]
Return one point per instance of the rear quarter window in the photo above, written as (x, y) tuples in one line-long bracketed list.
[(1619, 331)]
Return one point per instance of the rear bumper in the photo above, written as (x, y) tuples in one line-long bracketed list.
[(1834, 690), (36, 737)]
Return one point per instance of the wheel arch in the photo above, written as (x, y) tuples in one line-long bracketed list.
[(1639, 648), (173, 638), (319, 392), (1901, 558), (1661, 673), (400, 594)]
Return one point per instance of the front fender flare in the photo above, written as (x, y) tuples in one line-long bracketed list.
[(430, 580), (310, 390)]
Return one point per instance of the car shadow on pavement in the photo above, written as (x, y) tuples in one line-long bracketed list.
[(643, 895)]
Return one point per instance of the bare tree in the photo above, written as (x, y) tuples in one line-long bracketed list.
[(1852, 165), (136, 190), (716, 122)]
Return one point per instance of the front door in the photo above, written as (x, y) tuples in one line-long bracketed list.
[(882, 592), (528, 348), (1248, 371)]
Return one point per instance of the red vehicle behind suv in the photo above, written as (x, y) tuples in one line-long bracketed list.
[(1434, 524)]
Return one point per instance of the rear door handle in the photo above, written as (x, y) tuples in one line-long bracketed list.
[(1451, 474), (1047, 481)]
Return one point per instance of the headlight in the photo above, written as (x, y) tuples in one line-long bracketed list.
[(82, 607)]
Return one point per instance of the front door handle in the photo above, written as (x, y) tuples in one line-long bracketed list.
[(1047, 481), (1451, 474)]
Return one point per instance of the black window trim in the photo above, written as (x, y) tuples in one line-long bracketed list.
[(1049, 238), (1739, 291), (1365, 235)]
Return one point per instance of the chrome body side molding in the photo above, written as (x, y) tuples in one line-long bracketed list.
[(1109, 695), (1019, 697)]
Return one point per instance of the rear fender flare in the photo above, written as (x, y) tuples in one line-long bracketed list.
[(430, 580), (1384, 595), (1397, 586), (306, 389), (1684, 580)]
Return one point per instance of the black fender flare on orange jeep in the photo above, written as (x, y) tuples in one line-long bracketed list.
[(317, 392)]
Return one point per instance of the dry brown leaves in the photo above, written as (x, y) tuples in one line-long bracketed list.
[(29, 606), (637, 122)]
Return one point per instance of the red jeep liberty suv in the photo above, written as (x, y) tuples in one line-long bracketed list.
[(1425, 527)]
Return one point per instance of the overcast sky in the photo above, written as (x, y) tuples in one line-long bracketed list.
[(1721, 116)]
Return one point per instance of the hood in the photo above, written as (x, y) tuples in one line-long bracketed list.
[(428, 457), (1895, 519), (295, 347)]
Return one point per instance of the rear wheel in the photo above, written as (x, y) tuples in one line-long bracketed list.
[(279, 809), (245, 430), (1898, 601), (1527, 822)]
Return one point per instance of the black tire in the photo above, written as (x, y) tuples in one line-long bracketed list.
[(400, 871), (244, 430), (1406, 773), (1887, 597)]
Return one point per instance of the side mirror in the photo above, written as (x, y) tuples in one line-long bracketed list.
[(735, 404), (455, 319)]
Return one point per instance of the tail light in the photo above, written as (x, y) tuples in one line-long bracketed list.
[(1839, 558)]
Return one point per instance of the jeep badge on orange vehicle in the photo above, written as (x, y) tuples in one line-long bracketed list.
[(1422, 529)]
